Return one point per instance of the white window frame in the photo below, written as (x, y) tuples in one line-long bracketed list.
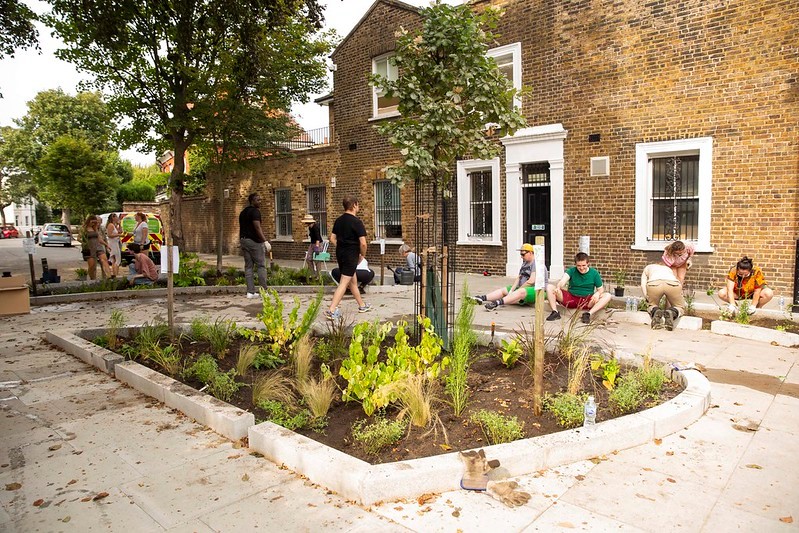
[(515, 50), (278, 214), (376, 90), (465, 199), (703, 146), (378, 234)]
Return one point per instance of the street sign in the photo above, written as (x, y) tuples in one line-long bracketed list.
[(29, 246)]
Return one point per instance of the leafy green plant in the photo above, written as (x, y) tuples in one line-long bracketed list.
[(498, 428), (279, 333), (168, 358), (101, 340), (689, 295), (191, 271), (203, 369), (620, 277), (115, 323), (280, 414), (81, 273), (376, 435), (224, 385), (627, 396), (567, 408), (367, 376), (651, 379), (605, 368), (463, 343), (509, 352), (220, 334)]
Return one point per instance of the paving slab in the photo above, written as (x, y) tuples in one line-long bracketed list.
[(563, 516), (726, 517)]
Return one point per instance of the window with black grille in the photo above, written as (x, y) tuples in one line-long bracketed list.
[(675, 197), (283, 212), (317, 207), (480, 205), (388, 211)]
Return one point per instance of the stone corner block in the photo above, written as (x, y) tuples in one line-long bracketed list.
[(692, 323)]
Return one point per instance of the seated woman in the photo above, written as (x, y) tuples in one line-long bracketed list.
[(363, 273), (745, 282), (142, 269), (411, 264)]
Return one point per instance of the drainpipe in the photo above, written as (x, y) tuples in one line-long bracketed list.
[(795, 306)]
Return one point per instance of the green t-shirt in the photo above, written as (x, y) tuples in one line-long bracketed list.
[(583, 284)]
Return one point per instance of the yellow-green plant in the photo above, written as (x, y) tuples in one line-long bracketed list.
[(463, 343), (168, 358), (279, 333), (224, 385), (627, 396), (606, 369), (416, 394), (567, 408), (376, 435), (203, 369), (509, 352), (498, 428)]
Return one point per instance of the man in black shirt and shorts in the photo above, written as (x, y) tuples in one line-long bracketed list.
[(349, 238), (253, 244)]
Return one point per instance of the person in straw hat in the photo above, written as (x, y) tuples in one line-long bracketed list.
[(315, 234)]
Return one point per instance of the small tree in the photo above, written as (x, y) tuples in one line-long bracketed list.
[(452, 97)]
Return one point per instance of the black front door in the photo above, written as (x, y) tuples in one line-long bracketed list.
[(536, 202)]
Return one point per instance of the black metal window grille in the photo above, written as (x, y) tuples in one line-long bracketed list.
[(675, 197), (317, 207), (536, 174), (388, 211), (481, 204), (283, 213)]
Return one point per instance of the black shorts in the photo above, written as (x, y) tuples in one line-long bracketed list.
[(347, 263)]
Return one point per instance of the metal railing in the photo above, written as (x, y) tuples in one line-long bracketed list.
[(310, 139)]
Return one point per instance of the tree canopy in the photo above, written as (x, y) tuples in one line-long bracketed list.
[(452, 97), (169, 66), (16, 27)]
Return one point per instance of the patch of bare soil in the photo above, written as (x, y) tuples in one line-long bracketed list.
[(492, 387), (781, 324)]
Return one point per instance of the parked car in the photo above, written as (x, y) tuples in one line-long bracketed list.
[(9, 232), (55, 234)]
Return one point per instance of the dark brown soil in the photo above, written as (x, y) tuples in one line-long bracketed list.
[(782, 324), (492, 386)]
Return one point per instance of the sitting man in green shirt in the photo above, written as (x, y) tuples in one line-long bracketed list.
[(585, 290)]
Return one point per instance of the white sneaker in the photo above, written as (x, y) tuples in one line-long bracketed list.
[(251, 295)]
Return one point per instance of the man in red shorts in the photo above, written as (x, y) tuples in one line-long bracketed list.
[(585, 290)]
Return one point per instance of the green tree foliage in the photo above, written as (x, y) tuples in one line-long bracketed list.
[(452, 97), (170, 67), (135, 191), (16, 27), (75, 176)]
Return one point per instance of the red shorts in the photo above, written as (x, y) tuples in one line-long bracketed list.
[(571, 301)]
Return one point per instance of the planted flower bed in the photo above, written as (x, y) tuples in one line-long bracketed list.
[(376, 394)]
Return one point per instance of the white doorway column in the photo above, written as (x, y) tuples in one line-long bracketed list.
[(534, 145)]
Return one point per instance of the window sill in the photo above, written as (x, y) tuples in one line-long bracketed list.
[(388, 241), (478, 243), (393, 114), (283, 239), (659, 246)]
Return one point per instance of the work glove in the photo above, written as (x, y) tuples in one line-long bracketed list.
[(507, 493)]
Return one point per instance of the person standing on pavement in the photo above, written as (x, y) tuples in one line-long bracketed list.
[(253, 244), (349, 238), (114, 231)]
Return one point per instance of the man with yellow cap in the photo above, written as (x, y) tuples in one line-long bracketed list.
[(523, 289)]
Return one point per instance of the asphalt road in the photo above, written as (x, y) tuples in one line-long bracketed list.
[(14, 259)]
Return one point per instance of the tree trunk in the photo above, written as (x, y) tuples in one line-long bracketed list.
[(65, 214), (176, 198), (220, 216)]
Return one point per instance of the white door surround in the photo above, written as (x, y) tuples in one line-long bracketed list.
[(534, 145)]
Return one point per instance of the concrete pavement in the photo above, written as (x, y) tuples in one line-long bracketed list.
[(81, 452)]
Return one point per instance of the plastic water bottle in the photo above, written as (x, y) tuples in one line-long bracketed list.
[(634, 305), (782, 303), (590, 414), (628, 304)]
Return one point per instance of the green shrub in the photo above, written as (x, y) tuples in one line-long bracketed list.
[(203, 369), (377, 435), (651, 379), (498, 428), (627, 395), (265, 359), (223, 385), (278, 413), (567, 408), (509, 352), (191, 271)]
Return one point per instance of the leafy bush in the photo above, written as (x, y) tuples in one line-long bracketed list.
[(498, 428), (651, 379), (224, 385), (278, 413), (509, 352), (203, 369), (606, 369), (377, 435), (627, 395), (567, 408), (135, 191), (191, 271)]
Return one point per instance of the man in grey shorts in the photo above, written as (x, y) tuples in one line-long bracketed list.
[(253, 244)]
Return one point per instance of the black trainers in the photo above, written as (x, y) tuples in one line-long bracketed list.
[(477, 299), (491, 305), (658, 320), (586, 318), (554, 315)]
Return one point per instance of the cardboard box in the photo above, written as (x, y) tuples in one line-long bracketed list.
[(14, 296)]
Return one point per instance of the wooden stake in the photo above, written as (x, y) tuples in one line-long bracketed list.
[(538, 357)]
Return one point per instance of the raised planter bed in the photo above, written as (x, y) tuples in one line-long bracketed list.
[(746, 331)]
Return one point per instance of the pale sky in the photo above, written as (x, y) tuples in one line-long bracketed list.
[(30, 72)]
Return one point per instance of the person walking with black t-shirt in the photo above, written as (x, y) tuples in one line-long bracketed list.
[(349, 238), (253, 244)]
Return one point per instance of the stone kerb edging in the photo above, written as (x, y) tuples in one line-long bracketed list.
[(227, 420), (368, 484), (746, 331), (358, 480)]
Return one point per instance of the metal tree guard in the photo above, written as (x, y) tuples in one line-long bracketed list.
[(434, 296)]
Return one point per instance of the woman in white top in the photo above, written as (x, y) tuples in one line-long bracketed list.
[(141, 233), (113, 231)]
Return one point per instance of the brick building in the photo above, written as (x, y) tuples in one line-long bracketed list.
[(648, 121)]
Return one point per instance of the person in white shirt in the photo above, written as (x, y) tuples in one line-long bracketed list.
[(363, 273)]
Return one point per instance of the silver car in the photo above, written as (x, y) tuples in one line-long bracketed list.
[(55, 234)]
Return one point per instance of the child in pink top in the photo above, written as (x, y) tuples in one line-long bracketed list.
[(678, 256)]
